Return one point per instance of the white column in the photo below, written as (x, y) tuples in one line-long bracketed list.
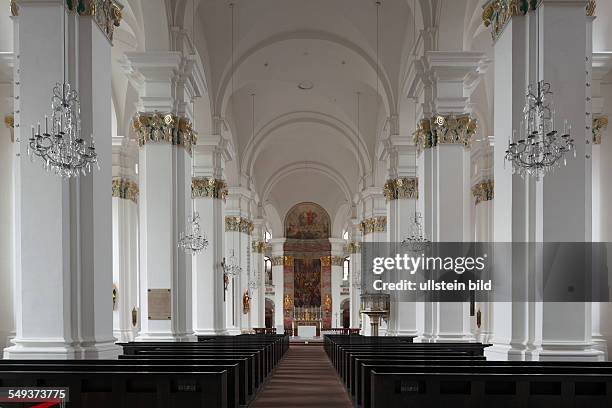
[(483, 193), (337, 263), (600, 66), (563, 198), (278, 282), (165, 80), (63, 234), (374, 228), (238, 230), (125, 240), (209, 191), (511, 55), (454, 75), (7, 318), (401, 192), (354, 250), (258, 299)]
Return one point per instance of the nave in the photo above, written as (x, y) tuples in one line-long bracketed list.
[(305, 378)]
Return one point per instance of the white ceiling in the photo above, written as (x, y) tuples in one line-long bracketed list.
[(280, 43)]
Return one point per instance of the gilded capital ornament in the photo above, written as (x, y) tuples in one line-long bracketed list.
[(375, 224), (483, 191), (600, 124), (352, 247), (325, 261), (591, 7), (208, 187), (287, 260), (106, 13), (239, 224), (337, 260), (445, 129), (14, 8), (164, 128), (259, 247), (9, 122), (278, 261), (497, 14), (125, 189), (401, 188)]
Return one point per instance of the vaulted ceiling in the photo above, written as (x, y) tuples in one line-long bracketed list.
[(303, 147)]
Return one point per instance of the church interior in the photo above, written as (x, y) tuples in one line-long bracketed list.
[(192, 191)]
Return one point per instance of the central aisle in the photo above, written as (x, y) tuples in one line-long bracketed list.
[(305, 378)]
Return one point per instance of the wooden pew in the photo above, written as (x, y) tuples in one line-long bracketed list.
[(119, 389), (233, 379), (484, 389), (246, 383), (483, 366)]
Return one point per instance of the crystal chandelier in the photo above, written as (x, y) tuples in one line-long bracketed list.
[(193, 241), (61, 148), (540, 148), (254, 281), (231, 266), (416, 241)]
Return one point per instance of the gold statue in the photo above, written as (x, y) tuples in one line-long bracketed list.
[(246, 302), (288, 302), (327, 304)]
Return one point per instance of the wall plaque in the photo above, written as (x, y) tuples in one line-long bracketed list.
[(160, 305)]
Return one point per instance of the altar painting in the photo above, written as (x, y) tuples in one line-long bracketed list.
[(307, 282)]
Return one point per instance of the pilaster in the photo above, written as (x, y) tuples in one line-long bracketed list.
[(166, 141), (209, 192), (277, 253), (125, 192), (69, 237)]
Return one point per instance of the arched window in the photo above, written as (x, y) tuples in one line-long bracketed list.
[(268, 269), (345, 235), (346, 268), (267, 236)]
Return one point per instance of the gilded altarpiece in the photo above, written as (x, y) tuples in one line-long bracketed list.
[(307, 272)]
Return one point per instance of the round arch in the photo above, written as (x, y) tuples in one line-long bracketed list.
[(255, 146), (385, 93)]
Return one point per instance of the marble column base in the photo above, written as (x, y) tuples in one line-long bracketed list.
[(166, 337), (211, 332), (59, 350)]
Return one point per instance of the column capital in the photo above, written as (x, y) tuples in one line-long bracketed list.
[(126, 189), (402, 188), (600, 124), (497, 14), (164, 127), (483, 191), (208, 187), (238, 224)]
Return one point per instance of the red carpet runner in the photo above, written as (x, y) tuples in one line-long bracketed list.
[(305, 378)]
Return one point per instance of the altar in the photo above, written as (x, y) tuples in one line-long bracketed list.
[(307, 322), (307, 328)]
